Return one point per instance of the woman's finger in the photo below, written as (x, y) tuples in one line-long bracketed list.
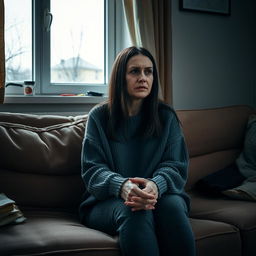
[(142, 200), (139, 206), (140, 193), (139, 181), (127, 190)]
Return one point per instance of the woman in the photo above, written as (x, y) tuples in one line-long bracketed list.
[(134, 164)]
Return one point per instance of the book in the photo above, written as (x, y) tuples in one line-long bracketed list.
[(6, 208), (13, 210), (12, 217), (9, 211), (5, 201), (6, 204)]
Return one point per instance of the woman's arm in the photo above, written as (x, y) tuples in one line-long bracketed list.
[(100, 181), (171, 174)]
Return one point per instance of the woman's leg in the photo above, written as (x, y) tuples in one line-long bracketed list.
[(173, 228), (136, 229)]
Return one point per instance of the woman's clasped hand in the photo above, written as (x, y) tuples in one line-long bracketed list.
[(139, 194)]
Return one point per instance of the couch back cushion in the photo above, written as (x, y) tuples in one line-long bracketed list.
[(40, 159), (214, 138)]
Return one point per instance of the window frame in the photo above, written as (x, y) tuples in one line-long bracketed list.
[(115, 40)]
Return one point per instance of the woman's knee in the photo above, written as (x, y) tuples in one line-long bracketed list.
[(172, 220), (172, 204), (135, 229), (126, 218), (117, 216)]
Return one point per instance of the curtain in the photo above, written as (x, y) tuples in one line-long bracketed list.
[(149, 24), (2, 54)]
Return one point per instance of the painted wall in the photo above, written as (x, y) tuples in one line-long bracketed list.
[(214, 57)]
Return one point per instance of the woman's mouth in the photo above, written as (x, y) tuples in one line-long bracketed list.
[(139, 88)]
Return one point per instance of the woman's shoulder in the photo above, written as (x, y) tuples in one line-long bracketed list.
[(98, 117), (99, 111), (170, 121), (166, 111)]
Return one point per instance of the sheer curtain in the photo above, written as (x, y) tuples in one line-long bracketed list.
[(2, 54), (149, 24)]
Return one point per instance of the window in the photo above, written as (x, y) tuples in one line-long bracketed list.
[(65, 46)]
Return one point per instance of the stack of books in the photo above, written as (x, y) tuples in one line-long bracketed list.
[(9, 211)]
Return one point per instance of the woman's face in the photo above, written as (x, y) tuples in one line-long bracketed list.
[(139, 77)]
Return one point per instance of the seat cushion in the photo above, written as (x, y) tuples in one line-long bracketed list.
[(54, 233), (216, 238), (241, 214)]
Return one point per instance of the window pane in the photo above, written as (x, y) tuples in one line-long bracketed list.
[(18, 40), (77, 41)]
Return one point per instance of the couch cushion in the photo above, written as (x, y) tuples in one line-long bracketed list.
[(241, 214), (216, 238), (36, 120), (38, 190), (40, 159), (54, 233), (53, 149), (212, 130)]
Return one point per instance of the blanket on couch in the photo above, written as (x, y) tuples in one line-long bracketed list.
[(246, 163)]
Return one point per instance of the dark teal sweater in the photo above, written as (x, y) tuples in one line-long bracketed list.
[(107, 164)]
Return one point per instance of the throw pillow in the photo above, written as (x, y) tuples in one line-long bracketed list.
[(226, 178)]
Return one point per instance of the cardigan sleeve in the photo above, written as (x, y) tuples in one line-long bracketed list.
[(171, 173), (99, 179)]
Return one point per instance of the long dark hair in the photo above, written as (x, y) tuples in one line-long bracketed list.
[(119, 97)]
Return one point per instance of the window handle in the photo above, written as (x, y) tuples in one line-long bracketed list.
[(47, 20)]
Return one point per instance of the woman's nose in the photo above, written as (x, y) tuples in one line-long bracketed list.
[(142, 76)]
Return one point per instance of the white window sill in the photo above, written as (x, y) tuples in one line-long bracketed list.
[(52, 99)]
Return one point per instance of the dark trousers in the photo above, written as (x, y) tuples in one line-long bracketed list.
[(163, 231)]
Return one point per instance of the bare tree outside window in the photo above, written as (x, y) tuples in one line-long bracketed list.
[(18, 40)]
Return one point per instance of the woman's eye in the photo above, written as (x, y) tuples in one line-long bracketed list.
[(134, 71), (148, 72), (137, 71)]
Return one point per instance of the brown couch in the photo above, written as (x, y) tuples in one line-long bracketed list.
[(40, 170)]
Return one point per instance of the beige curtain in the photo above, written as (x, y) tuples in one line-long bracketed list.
[(2, 55), (149, 24)]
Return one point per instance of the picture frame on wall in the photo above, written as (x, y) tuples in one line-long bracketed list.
[(221, 7)]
